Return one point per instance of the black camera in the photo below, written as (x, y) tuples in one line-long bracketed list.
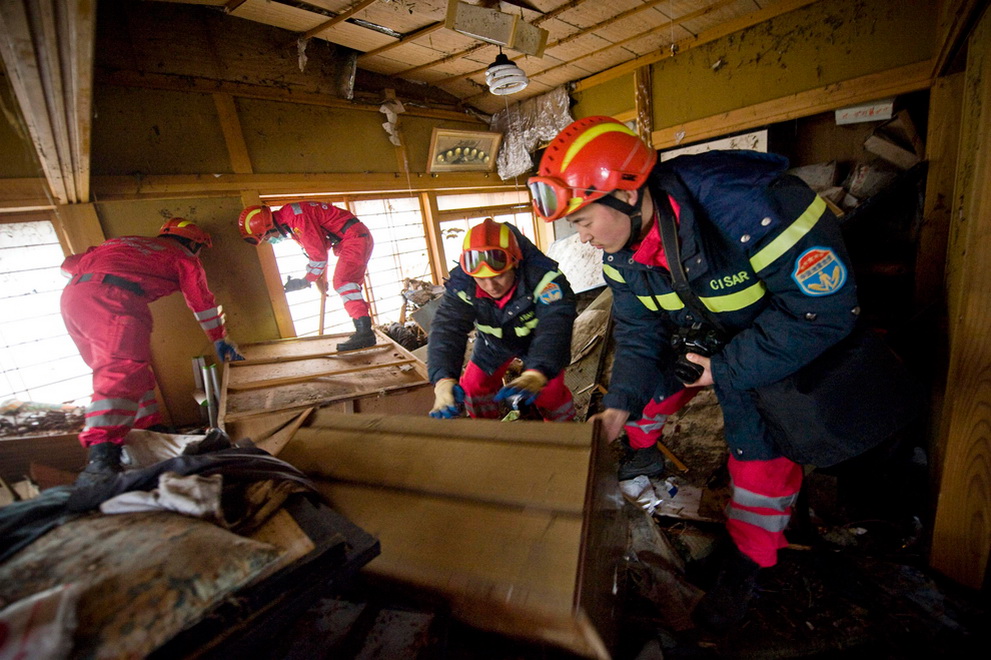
[(697, 339)]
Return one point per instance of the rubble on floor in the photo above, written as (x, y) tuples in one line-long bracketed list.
[(24, 418)]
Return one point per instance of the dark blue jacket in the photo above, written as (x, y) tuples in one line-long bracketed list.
[(534, 326), (764, 254)]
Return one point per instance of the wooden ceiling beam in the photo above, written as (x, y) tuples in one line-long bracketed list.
[(109, 188), (201, 85), (47, 50), (326, 25)]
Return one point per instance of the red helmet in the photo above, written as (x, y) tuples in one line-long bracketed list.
[(489, 249), (185, 229), (255, 222), (586, 161)]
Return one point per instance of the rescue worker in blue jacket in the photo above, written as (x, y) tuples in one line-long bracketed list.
[(521, 306), (764, 255)]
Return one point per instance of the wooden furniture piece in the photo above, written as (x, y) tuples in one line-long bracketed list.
[(292, 375), (499, 518)]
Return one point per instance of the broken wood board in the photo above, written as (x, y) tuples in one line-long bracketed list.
[(295, 374), (516, 524), (58, 451), (589, 344)]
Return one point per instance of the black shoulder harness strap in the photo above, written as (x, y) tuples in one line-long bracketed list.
[(679, 281)]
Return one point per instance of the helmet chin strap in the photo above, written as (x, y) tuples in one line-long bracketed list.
[(634, 212)]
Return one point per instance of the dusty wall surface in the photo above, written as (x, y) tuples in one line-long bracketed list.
[(147, 131), (820, 44), (19, 159)]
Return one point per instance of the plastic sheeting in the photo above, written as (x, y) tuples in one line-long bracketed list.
[(527, 126)]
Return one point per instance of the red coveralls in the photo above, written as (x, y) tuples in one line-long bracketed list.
[(319, 227), (105, 309)]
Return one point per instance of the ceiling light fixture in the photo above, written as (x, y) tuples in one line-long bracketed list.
[(504, 77)]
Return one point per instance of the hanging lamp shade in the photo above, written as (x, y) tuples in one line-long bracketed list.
[(504, 77)]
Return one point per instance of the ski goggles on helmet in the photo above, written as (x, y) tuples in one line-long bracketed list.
[(551, 198), (486, 263)]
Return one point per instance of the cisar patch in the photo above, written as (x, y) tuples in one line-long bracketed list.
[(819, 272), (550, 293)]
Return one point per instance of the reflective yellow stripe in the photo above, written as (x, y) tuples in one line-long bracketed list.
[(489, 330), (787, 239), (613, 274), (544, 281), (464, 296), (527, 328), (734, 301)]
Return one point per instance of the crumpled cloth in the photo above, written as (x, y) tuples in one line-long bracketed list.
[(192, 495)]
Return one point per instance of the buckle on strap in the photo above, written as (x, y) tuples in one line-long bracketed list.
[(337, 238)]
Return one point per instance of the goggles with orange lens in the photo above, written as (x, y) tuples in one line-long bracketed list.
[(550, 197), (486, 263)]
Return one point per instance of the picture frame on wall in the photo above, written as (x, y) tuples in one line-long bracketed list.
[(463, 151)]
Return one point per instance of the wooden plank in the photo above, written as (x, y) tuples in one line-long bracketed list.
[(337, 19), (259, 385), (78, 227), (59, 451), (233, 137), (522, 587), (534, 476), (165, 186), (901, 80), (962, 529), (289, 380), (574, 435)]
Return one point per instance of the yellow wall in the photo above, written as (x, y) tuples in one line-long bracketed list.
[(611, 98), (823, 43), (19, 158)]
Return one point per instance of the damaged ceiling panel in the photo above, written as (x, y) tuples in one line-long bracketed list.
[(414, 40)]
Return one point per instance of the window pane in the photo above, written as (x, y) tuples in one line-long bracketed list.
[(400, 253), (38, 360)]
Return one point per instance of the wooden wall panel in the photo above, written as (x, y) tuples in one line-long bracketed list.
[(962, 531)]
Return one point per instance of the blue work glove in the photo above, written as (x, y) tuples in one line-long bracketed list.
[(526, 388), (227, 351), (448, 395)]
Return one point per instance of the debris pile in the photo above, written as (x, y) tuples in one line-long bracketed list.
[(21, 418)]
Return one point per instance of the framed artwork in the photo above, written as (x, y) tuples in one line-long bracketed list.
[(463, 151)]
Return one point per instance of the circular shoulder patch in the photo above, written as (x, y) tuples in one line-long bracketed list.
[(819, 272), (550, 293)]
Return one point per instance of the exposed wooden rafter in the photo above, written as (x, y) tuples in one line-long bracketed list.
[(47, 50)]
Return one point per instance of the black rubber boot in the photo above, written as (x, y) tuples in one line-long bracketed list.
[(362, 338), (103, 465), (648, 461), (724, 606)]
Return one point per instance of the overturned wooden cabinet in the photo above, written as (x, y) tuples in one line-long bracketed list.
[(516, 524)]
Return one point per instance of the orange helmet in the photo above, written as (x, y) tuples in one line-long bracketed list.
[(185, 229), (255, 222), (489, 249), (585, 162)]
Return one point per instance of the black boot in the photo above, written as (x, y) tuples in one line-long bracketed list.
[(724, 606), (362, 338), (648, 461), (103, 466)]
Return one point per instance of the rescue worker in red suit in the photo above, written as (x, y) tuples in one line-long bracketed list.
[(320, 228), (765, 256), (105, 309), (521, 306)]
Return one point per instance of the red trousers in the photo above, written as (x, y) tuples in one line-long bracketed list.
[(352, 255), (763, 491), (760, 507), (554, 403), (111, 327)]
